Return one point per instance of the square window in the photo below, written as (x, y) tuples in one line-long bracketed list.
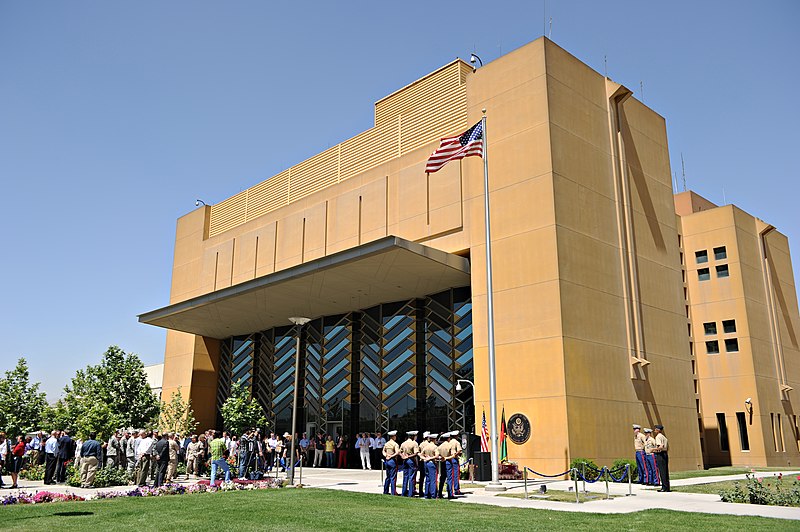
[(701, 256), (731, 345), (722, 270), (712, 347), (703, 274), (729, 326), (720, 253), (710, 327)]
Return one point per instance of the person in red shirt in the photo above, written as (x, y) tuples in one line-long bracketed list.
[(15, 463)]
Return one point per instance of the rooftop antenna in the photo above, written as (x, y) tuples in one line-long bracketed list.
[(605, 65), (683, 172), (544, 17), (724, 199), (641, 90), (551, 28)]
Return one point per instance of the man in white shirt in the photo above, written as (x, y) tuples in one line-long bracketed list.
[(377, 448), (143, 457), (364, 444), (51, 458), (272, 444)]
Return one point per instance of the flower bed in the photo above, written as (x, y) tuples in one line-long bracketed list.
[(40, 497), (756, 491), (141, 491)]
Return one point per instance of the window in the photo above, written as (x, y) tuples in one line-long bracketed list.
[(774, 438), (722, 270), (712, 347), (720, 253), (780, 435), (724, 446), (701, 256), (744, 441), (703, 274), (729, 326), (731, 345), (710, 327)]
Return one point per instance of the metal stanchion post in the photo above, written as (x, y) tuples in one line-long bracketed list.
[(525, 478), (301, 468), (575, 477), (628, 471), (583, 475), (383, 465), (604, 472)]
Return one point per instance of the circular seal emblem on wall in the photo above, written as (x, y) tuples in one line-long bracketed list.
[(519, 428)]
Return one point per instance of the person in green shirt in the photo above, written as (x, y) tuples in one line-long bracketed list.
[(219, 455)]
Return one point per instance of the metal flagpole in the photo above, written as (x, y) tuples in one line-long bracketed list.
[(494, 485)]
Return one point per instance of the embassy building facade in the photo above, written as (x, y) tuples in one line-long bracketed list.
[(594, 306)]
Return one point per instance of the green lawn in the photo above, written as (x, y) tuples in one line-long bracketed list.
[(316, 509), (719, 471), (559, 496)]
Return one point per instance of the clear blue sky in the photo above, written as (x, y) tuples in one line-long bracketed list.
[(115, 116)]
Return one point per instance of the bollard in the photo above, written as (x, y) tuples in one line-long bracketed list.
[(630, 482), (575, 477), (604, 472), (383, 464), (525, 478)]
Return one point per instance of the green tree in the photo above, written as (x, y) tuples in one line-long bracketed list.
[(177, 415), (108, 396), (22, 405), (240, 411)]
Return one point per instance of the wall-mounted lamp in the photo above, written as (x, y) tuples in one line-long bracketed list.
[(473, 58), (199, 202), (748, 404)]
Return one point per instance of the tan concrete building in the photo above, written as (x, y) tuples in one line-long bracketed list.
[(742, 304), (590, 320)]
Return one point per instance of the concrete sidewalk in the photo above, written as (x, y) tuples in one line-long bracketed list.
[(642, 498)]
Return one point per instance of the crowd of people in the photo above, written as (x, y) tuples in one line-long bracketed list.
[(150, 456), (651, 449)]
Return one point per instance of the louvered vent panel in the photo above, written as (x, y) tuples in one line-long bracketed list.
[(228, 214), (436, 119), (314, 174), (268, 195), (368, 150), (432, 86)]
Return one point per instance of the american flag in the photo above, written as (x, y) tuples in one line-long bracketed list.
[(467, 144), (484, 435)]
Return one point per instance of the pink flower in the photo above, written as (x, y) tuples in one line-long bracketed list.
[(760, 479)]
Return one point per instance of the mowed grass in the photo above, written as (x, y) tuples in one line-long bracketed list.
[(317, 509), (720, 471)]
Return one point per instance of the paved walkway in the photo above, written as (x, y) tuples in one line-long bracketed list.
[(643, 498)]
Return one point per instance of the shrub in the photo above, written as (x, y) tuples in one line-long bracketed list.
[(105, 477), (586, 467), (32, 472), (618, 469), (755, 491)]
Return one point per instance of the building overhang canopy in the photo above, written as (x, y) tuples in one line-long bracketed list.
[(389, 269)]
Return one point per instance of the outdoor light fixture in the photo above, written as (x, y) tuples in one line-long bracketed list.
[(748, 403), (197, 202), (458, 384), (473, 58)]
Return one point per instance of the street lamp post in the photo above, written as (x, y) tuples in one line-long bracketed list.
[(458, 389), (299, 322)]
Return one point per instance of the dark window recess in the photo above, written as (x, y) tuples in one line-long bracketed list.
[(720, 253), (712, 347), (710, 327), (722, 270), (743, 438), (704, 275), (731, 345), (701, 256), (724, 446), (729, 326)]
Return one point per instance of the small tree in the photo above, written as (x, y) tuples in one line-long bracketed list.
[(240, 412), (106, 397), (177, 415), (22, 405)]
